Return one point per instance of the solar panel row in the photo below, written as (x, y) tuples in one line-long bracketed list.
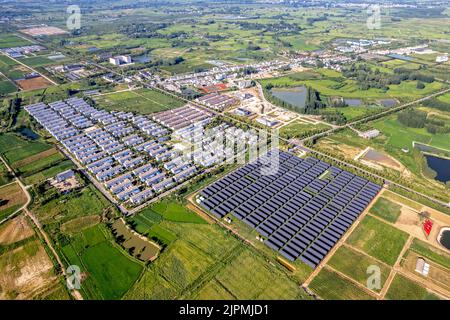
[(302, 208)]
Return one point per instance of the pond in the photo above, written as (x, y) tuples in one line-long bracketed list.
[(444, 237), (353, 102), (142, 59), (28, 133), (441, 166), (389, 103), (400, 57), (295, 96)]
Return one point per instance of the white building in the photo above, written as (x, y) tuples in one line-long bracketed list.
[(120, 60), (369, 134), (442, 58)]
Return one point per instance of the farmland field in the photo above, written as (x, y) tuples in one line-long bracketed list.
[(405, 289), (16, 149), (299, 129), (8, 41), (355, 265), (386, 209), (49, 172), (329, 285), (12, 198), (378, 239), (142, 101), (110, 272)]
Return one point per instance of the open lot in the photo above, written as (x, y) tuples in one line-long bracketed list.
[(142, 101)]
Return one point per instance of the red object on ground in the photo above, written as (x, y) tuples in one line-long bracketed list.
[(215, 88), (427, 226)]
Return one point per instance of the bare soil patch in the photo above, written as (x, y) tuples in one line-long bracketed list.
[(15, 230)]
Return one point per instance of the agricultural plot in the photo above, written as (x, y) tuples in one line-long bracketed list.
[(86, 202), (405, 289), (248, 277), (300, 129), (10, 41), (12, 198), (50, 172), (331, 286), (20, 277), (378, 240), (4, 175), (38, 162), (355, 265), (15, 148), (143, 101), (386, 209), (6, 86), (109, 272)]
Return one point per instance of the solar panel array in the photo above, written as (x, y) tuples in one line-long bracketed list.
[(302, 209)]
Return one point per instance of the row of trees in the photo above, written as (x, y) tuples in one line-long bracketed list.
[(419, 119)]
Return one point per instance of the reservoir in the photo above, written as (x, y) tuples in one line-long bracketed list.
[(441, 166), (294, 96), (28, 133), (353, 102), (444, 237)]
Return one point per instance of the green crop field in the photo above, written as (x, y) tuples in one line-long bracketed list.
[(404, 289), (38, 61), (174, 211), (110, 271), (15, 148), (38, 165), (355, 265), (49, 172), (300, 129), (438, 256), (88, 201), (142, 101), (378, 239), (386, 209), (329, 285), (6, 87), (9, 41)]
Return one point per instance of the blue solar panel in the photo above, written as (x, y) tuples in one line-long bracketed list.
[(280, 206)]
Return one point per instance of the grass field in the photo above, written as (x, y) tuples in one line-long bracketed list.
[(355, 265), (173, 210), (109, 271), (300, 129), (142, 101), (9, 41), (49, 172), (386, 209), (249, 277), (15, 148), (378, 239), (86, 202), (6, 87), (404, 289), (330, 286), (38, 61)]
